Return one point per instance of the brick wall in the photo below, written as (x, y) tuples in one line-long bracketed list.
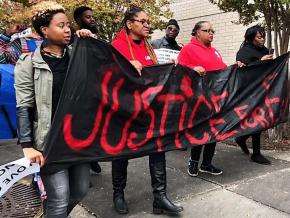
[(228, 37)]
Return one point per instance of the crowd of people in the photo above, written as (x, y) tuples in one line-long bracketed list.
[(39, 77)]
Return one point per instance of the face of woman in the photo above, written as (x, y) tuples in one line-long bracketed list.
[(139, 26), (259, 40), (205, 33), (58, 32)]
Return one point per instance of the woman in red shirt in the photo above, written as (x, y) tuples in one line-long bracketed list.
[(200, 56), (131, 42)]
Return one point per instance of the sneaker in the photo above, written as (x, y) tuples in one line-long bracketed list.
[(260, 159), (210, 169), (243, 146), (95, 168), (192, 168)]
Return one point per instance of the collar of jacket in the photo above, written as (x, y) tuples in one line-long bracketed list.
[(37, 60), (164, 41)]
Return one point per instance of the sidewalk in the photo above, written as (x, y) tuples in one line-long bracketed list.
[(245, 190)]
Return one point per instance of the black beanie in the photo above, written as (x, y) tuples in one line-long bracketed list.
[(172, 22)]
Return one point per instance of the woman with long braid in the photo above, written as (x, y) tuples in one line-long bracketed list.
[(131, 42)]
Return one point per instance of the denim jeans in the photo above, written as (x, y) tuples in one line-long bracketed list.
[(65, 189)]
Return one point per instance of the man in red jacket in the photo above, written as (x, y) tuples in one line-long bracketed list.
[(200, 56)]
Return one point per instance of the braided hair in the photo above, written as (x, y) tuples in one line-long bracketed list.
[(130, 13)]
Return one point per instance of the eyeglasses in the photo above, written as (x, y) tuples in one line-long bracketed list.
[(209, 31), (142, 21)]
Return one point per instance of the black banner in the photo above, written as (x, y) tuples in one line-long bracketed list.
[(107, 111)]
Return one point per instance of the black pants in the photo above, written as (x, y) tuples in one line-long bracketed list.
[(256, 141), (119, 170), (208, 153)]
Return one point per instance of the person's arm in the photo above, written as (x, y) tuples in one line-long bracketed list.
[(10, 51), (243, 56), (25, 99), (186, 60), (156, 44), (4, 41)]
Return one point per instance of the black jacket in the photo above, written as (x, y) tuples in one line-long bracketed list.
[(164, 43), (250, 53)]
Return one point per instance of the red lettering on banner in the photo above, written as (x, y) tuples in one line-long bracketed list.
[(241, 115), (186, 86), (150, 91), (285, 106), (168, 98), (216, 98), (159, 145), (260, 116), (177, 141), (197, 141), (180, 125), (148, 110), (213, 123), (269, 102), (250, 124), (78, 144), (268, 79), (110, 149), (201, 99)]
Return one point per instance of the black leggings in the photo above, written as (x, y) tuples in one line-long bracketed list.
[(256, 141), (208, 153)]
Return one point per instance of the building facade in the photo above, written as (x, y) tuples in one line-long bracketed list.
[(228, 36)]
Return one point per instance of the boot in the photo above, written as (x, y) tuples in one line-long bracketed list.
[(95, 168), (260, 159), (119, 178), (120, 204), (257, 156), (161, 203)]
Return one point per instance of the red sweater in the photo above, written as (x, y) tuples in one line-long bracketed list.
[(195, 54), (139, 51)]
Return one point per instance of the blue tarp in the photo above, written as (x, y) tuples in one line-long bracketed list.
[(7, 102)]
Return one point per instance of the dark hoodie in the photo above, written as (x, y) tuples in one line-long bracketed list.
[(139, 50), (250, 53)]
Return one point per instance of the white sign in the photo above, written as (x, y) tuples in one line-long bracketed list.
[(23, 34), (165, 55), (12, 172)]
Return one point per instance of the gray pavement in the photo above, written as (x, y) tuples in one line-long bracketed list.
[(245, 190)]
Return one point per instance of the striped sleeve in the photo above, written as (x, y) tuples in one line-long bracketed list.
[(9, 51)]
